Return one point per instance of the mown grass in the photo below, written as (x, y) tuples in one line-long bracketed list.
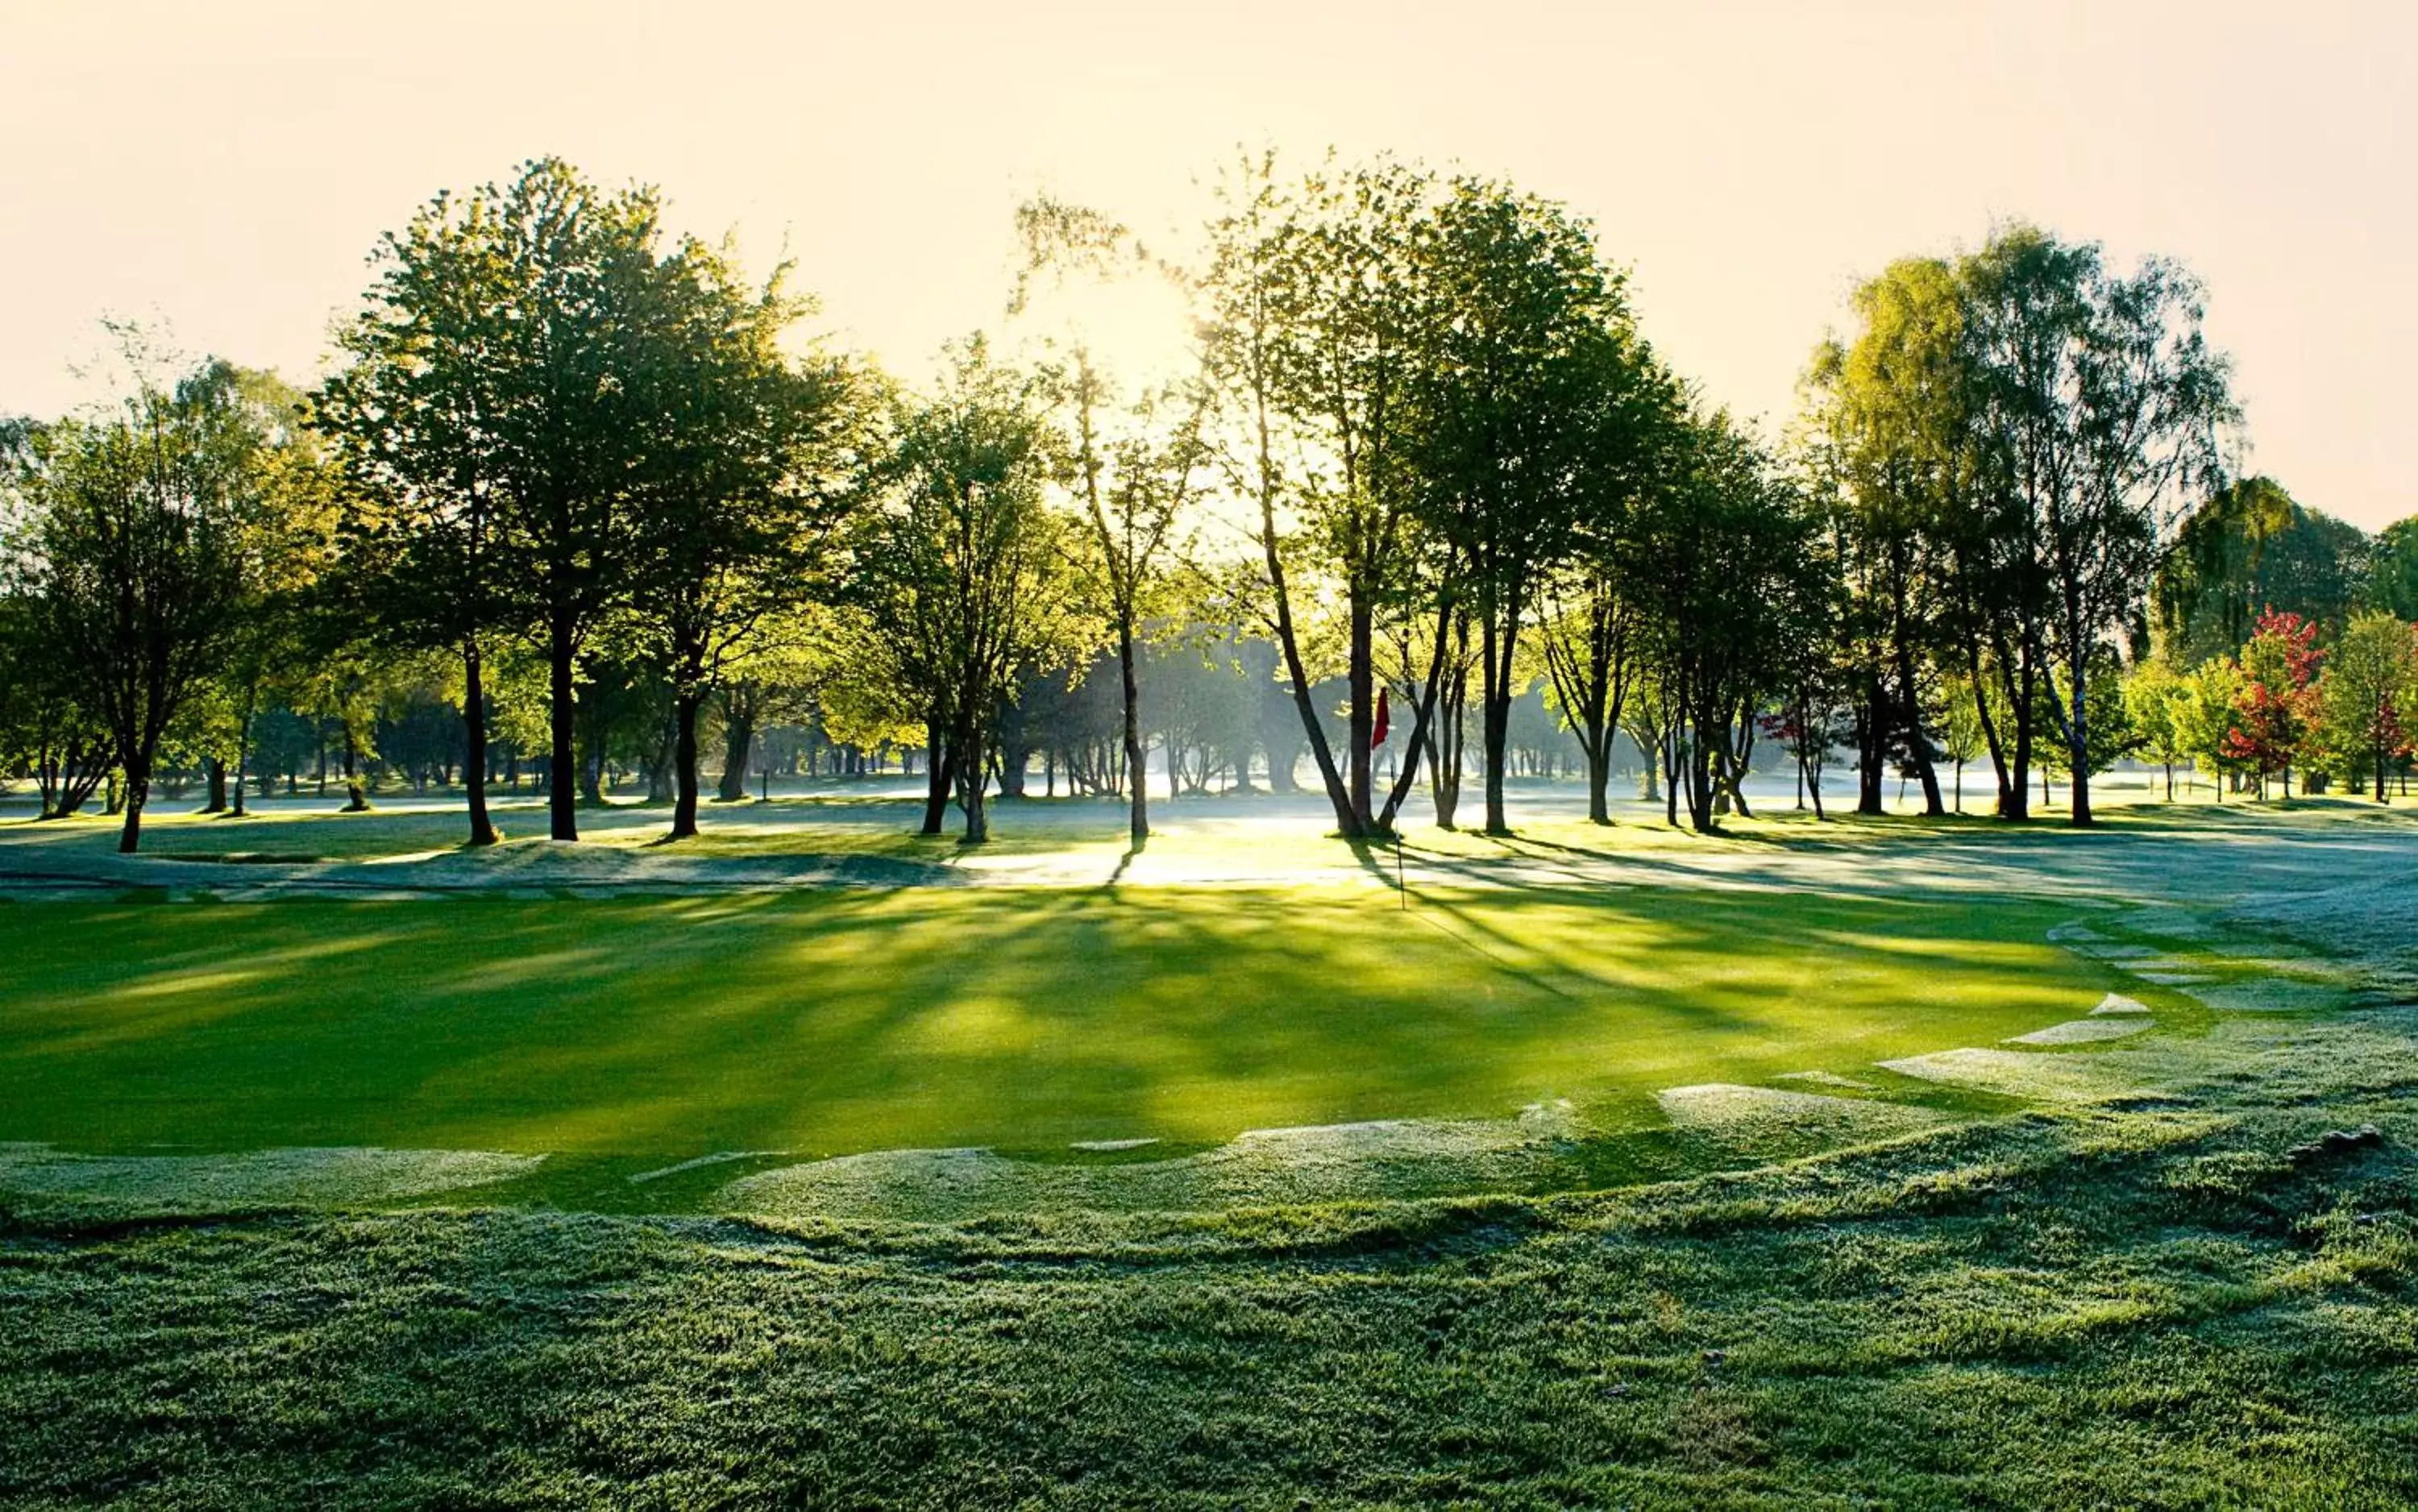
[(2101, 1308), (1024, 1019), (2186, 1298)]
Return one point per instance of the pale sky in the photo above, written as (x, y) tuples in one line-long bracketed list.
[(226, 168)]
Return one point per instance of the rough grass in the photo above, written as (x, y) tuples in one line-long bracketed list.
[(2103, 1308)]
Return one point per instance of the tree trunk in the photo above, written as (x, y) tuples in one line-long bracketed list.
[(738, 739), (966, 759), (1448, 739), (562, 761), (357, 796), (1346, 819), (2016, 796), (243, 750), (591, 765), (1362, 667), (2078, 743), (474, 743), (216, 802), (938, 758), (138, 790), (1918, 742), (684, 708), (1137, 813), (1494, 692), (1871, 748)]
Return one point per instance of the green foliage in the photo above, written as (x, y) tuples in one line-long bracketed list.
[(150, 531), (2206, 702), (2247, 549), (2392, 573), (1722, 564), (2153, 695), (961, 583), (2367, 699), (2107, 717)]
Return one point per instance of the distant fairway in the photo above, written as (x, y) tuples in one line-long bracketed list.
[(1023, 1018)]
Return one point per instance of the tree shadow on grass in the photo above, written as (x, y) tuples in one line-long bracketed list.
[(833, 1022)]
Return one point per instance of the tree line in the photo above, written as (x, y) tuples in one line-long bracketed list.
[(584, 488)]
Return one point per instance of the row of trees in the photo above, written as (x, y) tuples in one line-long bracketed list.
[(2001, 450), (573, 475), (2343, 708)]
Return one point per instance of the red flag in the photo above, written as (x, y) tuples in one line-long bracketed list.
[(1377, 736)]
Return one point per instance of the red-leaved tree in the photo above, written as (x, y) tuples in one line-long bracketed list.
[(2276, 716)]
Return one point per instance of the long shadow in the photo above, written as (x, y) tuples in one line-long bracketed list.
[(1124, 863)]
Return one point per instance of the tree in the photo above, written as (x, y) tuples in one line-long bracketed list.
[(1589, 643), (2151, 698), (1960, 729), (505, 387), (1310, 310), (752, 462), (2370, 674), (1132, 469), (49, 723), (1886, 415), (143, 549), (2204, 708), (2247, 548), (960, 573), (2275, 713), (1528, 404), (419, 419), (2393, 571), (2098, 404), (294, 527), (1726, 543)]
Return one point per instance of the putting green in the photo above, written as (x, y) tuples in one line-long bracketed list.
[(1024, 1019)]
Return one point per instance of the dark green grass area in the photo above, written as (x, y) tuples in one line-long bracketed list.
[(1024, 1019), (2105, 1308)]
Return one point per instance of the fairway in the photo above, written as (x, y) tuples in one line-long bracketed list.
[(1022, 1019)]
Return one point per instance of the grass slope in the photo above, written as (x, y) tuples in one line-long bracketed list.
[(2158, 1306), (1030, 1019)]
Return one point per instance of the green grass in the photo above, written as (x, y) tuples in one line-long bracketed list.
[(830, 1022), (2180, 1295), (2112, 1308)]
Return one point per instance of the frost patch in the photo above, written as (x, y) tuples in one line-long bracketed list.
[(1260, 1168), (1826, 1078), (2025, 1073), (260, 1177), (2080, 1032), (1726, 1107)]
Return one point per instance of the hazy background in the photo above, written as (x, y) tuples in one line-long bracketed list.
[(227, 168)]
